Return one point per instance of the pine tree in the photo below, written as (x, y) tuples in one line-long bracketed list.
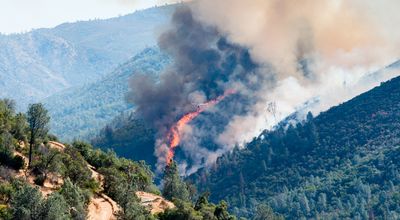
[(221, 211), (174, 187), (264, 212), (38, 120)]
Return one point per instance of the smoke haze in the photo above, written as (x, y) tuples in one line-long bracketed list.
[(320, 50), (276, 54)]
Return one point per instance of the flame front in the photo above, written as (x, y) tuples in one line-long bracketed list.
[(174, 135)]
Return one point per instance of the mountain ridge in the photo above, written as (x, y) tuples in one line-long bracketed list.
[(88, 108), (46, 61)]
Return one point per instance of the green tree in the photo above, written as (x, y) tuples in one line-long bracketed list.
[(6, 191), (121, 185), (202, 201), (5, 212), (174, 187), (84, 148), (75, 167), (75, 199), (38, 120), (6, 148), (10, 104), (221, 211), (183, 211), (19, 127), (7, 111), (132, 209), (48, 162), (27, 203), (55, 208), (264, 212)]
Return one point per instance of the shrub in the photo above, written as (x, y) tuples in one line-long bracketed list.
[(17, 162), (75, 198), (92, 185), (5, 212), (52, 137), (55, 208), (6, 191), (39, 180), (27, 203)]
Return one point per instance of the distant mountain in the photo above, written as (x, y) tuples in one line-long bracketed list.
[(37, 64), (343, 164), (82, 111)]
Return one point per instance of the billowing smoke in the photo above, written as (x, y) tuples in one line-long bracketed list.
[(276, 54), (205, 67), (323, 52), (282, 32)]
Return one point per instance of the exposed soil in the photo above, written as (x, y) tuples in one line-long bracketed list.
[(154, 203)]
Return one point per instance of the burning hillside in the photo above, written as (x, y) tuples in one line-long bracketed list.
[(174, 135), (206, 69), (267, 52)]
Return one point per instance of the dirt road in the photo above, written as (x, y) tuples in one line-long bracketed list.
[(101, 208)]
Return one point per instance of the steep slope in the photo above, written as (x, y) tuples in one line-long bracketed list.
[(45, 61), (128, 137), (341, 164), (79, 182), (81, 111)]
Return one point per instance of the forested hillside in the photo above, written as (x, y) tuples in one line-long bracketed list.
[(42, 179), (39, 63), (83, 111), (129, 137), (342, 164)]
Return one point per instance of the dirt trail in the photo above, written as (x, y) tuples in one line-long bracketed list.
[(154, 203), (101, 208), (57, 145), (52, 183)]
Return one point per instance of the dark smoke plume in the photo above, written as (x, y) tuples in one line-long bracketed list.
[(205, 65)]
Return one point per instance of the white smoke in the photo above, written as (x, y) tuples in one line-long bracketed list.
[(321, 50)]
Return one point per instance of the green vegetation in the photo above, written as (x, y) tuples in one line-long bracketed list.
[(174, 187), (122, 178), (27, 202), (343, 164), (177, 191), (11, 125), (38, 120), (129, 137), (76, 173), (81, 112)]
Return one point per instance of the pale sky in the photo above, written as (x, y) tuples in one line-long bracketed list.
[(23, 15)]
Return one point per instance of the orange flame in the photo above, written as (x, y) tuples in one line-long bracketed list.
[(174, 134)]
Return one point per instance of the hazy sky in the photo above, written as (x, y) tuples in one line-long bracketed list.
[(24, 15)]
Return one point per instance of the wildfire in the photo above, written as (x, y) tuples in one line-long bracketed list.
[(174, 135)]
